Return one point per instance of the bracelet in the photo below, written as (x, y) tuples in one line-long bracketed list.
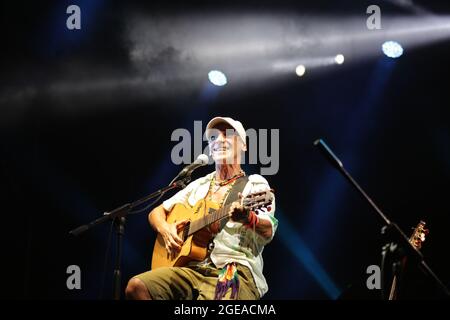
[(252, 220)]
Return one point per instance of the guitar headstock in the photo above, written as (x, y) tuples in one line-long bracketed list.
[(258, 200), (419, 235)]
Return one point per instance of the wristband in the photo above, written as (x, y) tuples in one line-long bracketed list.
[(252, 220)]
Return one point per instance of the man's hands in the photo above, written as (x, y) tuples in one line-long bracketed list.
[(169, 232), (237, 212)]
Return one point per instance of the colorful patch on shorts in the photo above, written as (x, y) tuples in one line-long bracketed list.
[(228, 278)]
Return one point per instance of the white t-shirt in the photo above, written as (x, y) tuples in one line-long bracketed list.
[(235, 242)]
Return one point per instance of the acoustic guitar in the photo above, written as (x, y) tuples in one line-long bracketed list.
[(196, 234), (416, 239)]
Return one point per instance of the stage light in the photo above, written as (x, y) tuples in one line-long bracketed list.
[(339, 59), (392, 49), (300, 70), (217, 78)]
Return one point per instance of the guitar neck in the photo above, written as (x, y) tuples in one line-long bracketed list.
[(199, 224)]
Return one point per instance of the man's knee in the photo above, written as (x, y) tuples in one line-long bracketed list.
[(136, 289)]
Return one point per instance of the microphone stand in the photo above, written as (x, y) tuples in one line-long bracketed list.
[(118, 215), (395, 236)]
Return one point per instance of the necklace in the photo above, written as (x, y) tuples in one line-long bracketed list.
[(230, 180)]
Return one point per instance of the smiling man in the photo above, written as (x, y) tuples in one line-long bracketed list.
[(233, 265)]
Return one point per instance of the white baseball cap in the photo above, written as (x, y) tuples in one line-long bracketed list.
[(236, 125)]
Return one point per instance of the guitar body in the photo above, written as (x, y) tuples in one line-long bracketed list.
[(195, 246)]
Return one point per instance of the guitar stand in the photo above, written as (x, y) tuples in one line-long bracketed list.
[(118, 216)]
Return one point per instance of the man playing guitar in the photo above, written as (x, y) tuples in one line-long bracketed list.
[(232, 265)]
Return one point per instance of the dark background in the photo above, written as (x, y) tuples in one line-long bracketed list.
[(62, 169)]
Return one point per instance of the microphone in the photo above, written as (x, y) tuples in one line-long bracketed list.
[(201, 160)]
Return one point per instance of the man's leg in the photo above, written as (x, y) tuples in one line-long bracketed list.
[(137, 290), (167, 283)]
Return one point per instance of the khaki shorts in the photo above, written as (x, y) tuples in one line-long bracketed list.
[(194, 283)]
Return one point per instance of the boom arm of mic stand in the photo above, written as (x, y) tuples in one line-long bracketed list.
[(335, 162), (126, 208), (392, 228), (118, 212)]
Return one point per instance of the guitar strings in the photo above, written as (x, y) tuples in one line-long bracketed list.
[(188, 226)]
